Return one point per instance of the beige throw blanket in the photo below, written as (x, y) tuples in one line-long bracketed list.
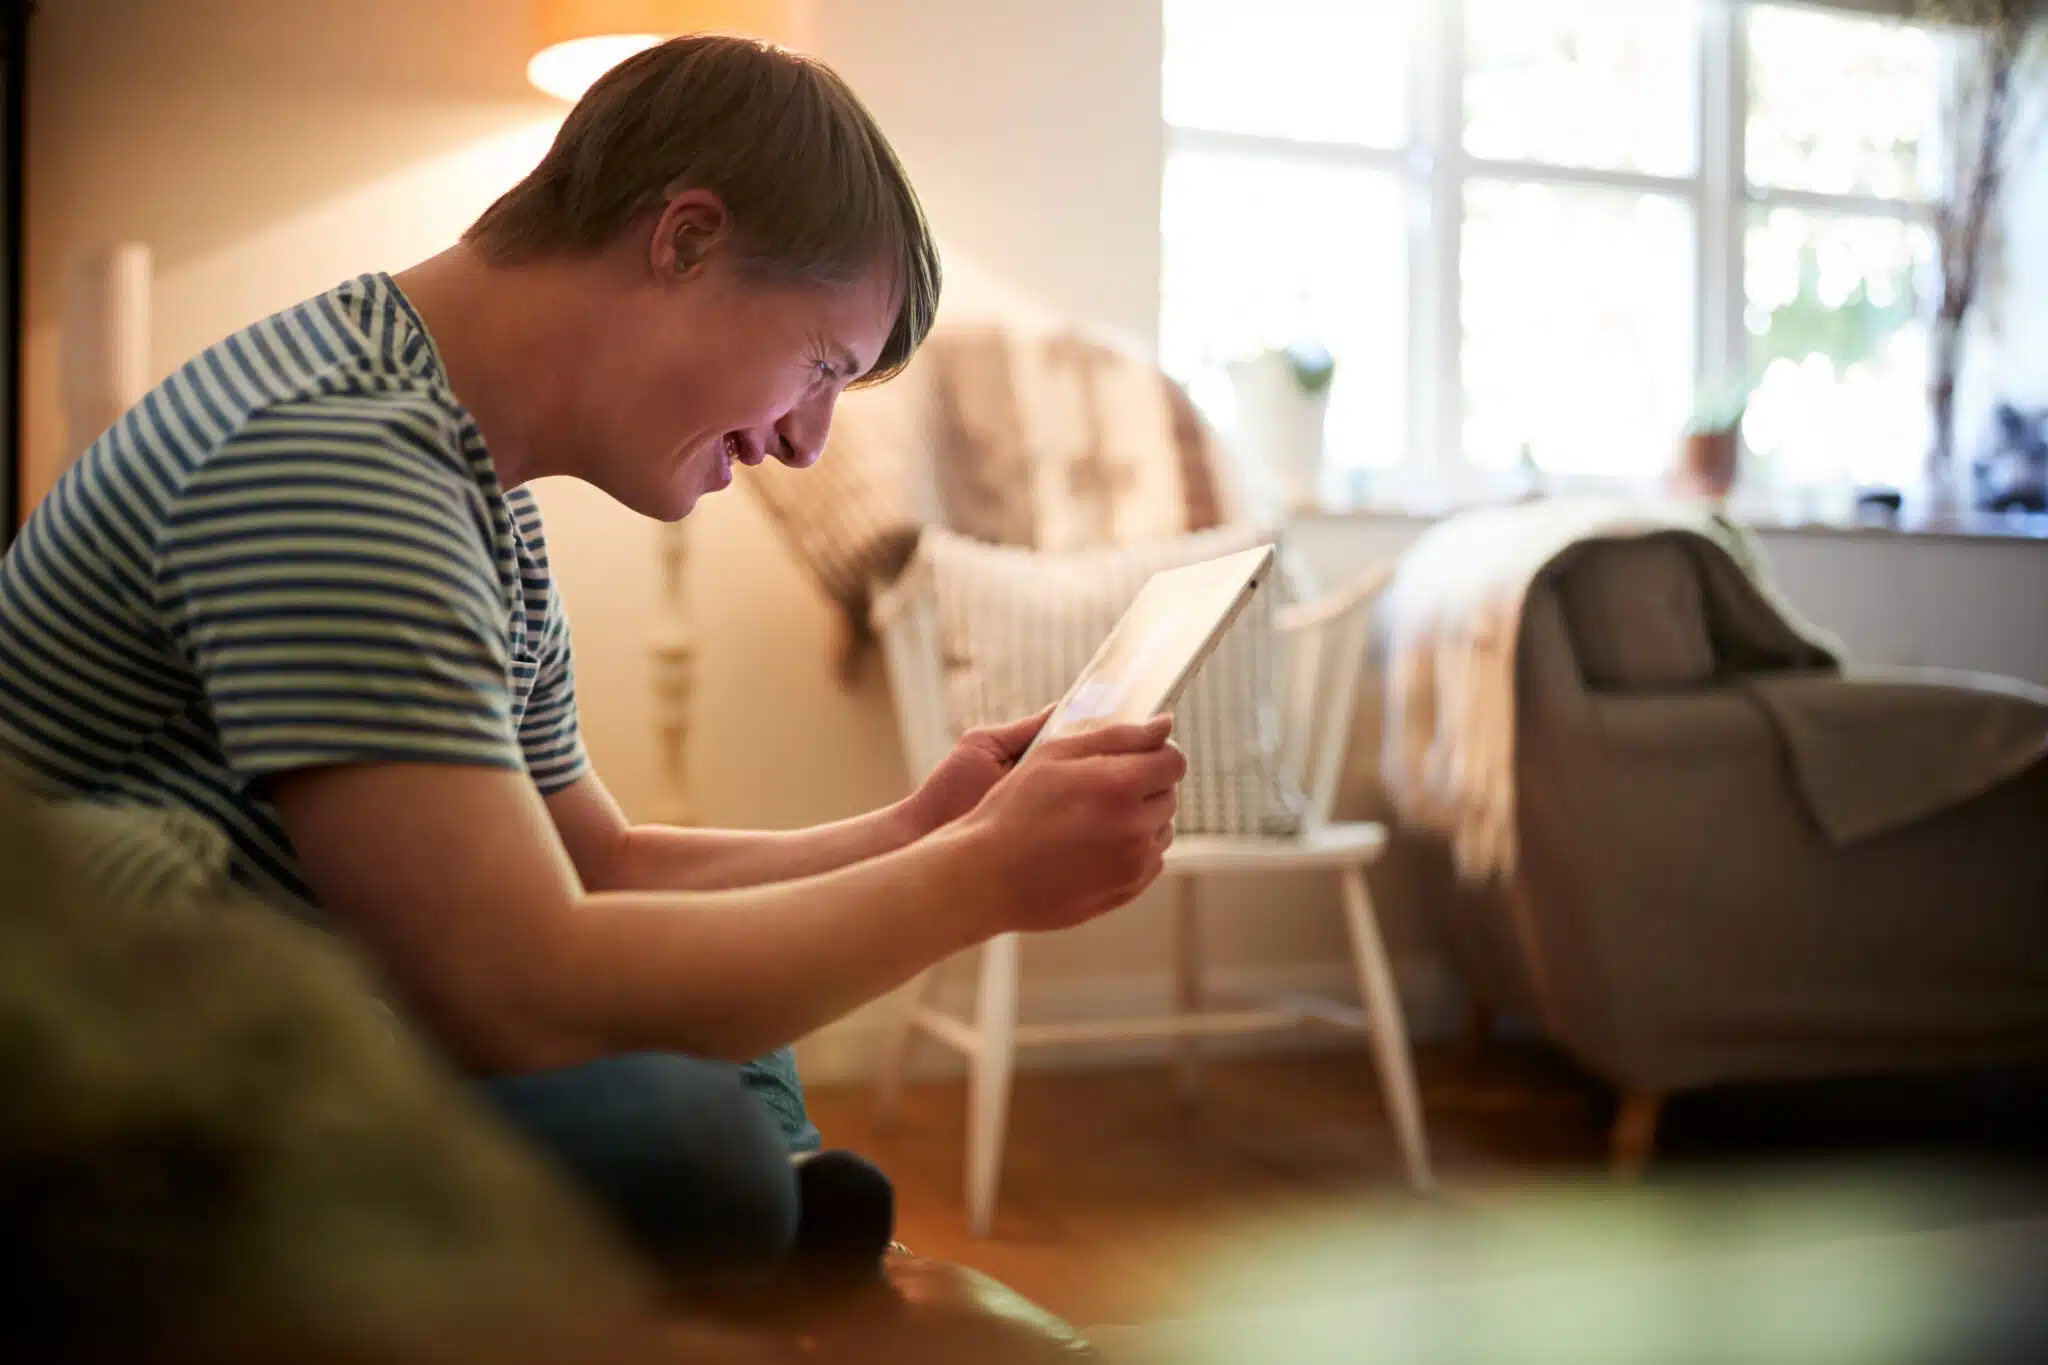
[(1450, 627)]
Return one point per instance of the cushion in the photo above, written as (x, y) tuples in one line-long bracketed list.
[(135, 859), (1637, 615), (1015, 628), (1064, 441)]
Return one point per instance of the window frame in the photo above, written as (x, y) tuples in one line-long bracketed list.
[(1434, 169)]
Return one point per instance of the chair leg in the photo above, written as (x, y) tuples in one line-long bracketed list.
[(1635, 1135), (989, 1073), (1388, 1031), (894, 1064), (1187, 980)]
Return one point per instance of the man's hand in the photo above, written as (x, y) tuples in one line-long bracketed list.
[(1082, 828), (980, 760)]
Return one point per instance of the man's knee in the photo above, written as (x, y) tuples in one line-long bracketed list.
[(688, 1163)]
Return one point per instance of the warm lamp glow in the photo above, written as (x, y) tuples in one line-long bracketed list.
[(580, 40), (567, 69)]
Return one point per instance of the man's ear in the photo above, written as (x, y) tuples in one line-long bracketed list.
[(693, 225)]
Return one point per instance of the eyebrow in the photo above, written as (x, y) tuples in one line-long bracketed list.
[(849, 363)]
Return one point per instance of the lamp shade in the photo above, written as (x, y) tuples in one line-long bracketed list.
[(576, 41)]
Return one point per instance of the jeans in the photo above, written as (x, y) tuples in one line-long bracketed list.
[(773, 1080), (689, 1163)]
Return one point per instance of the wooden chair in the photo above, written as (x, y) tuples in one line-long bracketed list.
[(1323, 650)]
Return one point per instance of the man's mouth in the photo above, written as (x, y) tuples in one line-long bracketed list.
[(720, 474)]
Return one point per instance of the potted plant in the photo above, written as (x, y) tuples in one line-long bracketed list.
[(1283, 396), (1710, 454)]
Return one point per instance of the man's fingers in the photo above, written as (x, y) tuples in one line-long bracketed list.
[(1159, 771), (1116, 739), (1159, 807), (1011, 740)]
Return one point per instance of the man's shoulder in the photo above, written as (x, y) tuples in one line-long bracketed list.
[(355, 352), (405, 417), (348, 374)]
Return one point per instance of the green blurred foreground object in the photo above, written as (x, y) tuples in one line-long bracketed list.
[(215, 1146), (1856, 1269)]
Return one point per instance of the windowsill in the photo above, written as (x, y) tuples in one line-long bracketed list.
[(1788, 519)]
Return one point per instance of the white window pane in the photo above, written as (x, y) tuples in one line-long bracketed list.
[(1317, 70), (1578, 318), (1606, 84), (1267, 252), (1835, 338), (1841, 104)]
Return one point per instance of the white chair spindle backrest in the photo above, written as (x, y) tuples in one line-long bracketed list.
[(1322, 647), (1325, 647), (1301, 674), (1346, 641), (905, 617)]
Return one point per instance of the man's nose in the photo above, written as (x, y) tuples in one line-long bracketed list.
[(803, 432)]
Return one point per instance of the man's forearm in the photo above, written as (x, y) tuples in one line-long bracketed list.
[(671, 858), (734, 974)]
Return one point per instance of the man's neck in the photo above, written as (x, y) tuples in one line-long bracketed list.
[(504, 335)]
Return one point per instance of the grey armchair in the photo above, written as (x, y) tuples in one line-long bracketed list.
[(1690, 905)]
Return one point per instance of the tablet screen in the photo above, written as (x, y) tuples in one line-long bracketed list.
[(1161, 640)]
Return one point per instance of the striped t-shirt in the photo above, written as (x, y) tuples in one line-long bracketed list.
[(293, 552)]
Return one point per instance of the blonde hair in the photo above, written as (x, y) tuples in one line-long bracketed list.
[(815, 191)]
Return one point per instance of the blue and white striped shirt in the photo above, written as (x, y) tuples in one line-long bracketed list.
[(293, 552)]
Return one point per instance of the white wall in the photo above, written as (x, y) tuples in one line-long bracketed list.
[(1912, 601), (252, 145)]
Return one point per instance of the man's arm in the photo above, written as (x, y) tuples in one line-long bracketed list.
[(455, 880), (611, 854)]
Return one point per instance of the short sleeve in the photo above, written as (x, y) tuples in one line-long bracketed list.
[(329, 573), (549, 734)]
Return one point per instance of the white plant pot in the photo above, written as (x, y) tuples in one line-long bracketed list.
[(1281, 426)]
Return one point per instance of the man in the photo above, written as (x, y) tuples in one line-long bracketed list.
[(301, 591)]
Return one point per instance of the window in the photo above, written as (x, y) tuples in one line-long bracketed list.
[(1576, 325), (1598, 84), (1839, 135), (1529, 230), (1270, 250)]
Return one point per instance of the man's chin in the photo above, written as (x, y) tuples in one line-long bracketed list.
[(678, 505), (679, 502)]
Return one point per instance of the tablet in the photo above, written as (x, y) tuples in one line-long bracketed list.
[(1170, 628)]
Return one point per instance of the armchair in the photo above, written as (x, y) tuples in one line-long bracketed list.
[(1698, 900)]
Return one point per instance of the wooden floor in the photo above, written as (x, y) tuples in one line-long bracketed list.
[(1113, 1188), (1118, 1199)]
